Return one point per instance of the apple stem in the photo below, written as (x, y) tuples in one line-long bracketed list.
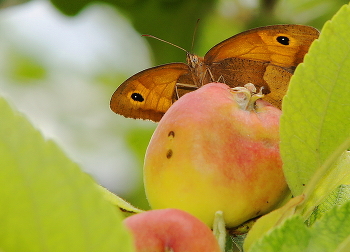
[(219, 230), (246, 96)]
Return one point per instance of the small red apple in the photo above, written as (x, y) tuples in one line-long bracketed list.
[(217, 149), (170, 230)]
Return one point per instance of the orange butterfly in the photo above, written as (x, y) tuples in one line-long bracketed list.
[(265, 56)]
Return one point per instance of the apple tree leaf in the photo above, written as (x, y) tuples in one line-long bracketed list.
[(272, 220), (328, 234), (315, 125), (47, 202), (338, 197), (119, 202)]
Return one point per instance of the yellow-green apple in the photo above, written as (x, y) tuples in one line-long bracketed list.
[(168, 230), (217, 149)]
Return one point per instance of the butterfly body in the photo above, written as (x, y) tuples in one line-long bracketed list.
[(265, 56), (198, 68)]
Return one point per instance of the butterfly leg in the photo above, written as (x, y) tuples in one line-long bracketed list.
[(184, 86), (221, 79), (207, 77), (209, 74), (177, 92)]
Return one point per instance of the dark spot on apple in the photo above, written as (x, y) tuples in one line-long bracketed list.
[(268, 143), (171, 134), (303, 184), (169, 154), (267, 202), (257, 213)]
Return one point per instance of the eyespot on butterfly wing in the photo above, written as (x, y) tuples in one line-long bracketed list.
[(149, 93)]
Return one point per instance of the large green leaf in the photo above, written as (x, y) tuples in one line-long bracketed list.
[(46, 202), (331, 233), (315, 125)]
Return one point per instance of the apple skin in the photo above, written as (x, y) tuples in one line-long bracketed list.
[(170, 230), (207, 155)]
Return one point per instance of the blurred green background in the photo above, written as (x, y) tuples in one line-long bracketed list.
[(60, 61)]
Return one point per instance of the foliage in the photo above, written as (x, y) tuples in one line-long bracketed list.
[(331, 233), (47, 202), (315, 103)]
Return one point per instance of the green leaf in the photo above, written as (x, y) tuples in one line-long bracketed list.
[(290, 237), (344, 246), (325, 180), (332, 229), (336, 198), (330, 233), (120, 203), (271, 221), (338, 175), (47, 202), (315, 125)]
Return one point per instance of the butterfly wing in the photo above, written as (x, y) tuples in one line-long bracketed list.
[(149, 93), (265, 56), (281, 45), (238, 72), (278, 81)]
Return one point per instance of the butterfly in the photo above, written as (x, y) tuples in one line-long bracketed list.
[(265, 56)]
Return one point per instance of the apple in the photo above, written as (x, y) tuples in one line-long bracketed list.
[(217, 149), (170, 230)]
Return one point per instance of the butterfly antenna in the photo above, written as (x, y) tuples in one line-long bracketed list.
[(194, 34), (146, 35)]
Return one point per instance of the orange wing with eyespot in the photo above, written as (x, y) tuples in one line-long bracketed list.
[(280, 45), (149, 93)]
